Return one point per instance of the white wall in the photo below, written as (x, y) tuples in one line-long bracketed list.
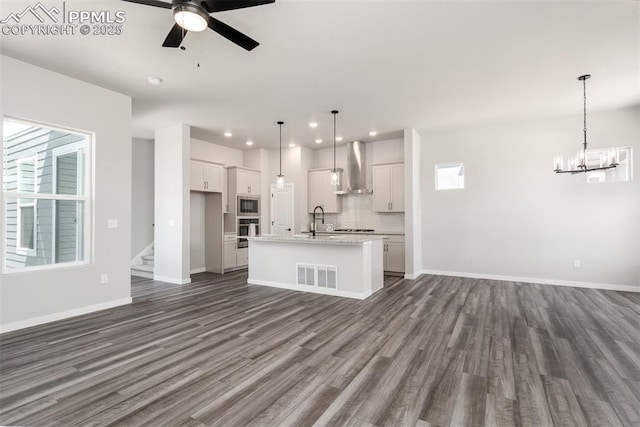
[(172, 204), (516, 217), (295, 163), (210, 152), (142, 189), (33, 93)]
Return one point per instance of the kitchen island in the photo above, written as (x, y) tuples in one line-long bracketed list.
[(346, 265)]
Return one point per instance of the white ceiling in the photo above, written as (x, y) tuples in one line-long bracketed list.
[(386, 65)]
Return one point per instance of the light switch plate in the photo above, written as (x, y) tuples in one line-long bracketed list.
[(112, 223)]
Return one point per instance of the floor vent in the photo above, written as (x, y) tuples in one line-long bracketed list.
[(328, 276), (306, 274)]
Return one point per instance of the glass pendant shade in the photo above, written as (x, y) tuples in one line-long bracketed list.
[(335, 178), (280, 182)]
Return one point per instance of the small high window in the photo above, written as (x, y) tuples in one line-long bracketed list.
[(599, 156), (450, 176)]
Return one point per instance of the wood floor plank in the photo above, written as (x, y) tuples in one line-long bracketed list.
[(435, 351)]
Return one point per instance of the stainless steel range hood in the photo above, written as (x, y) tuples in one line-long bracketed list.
[(356, 178)]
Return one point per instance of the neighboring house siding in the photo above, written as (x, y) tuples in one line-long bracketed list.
[(52, 218)]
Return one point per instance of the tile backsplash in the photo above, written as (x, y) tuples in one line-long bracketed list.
[(356, 213)]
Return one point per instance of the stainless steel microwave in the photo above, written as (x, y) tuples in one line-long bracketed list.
[(248, 206)]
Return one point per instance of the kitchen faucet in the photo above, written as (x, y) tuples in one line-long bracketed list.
[(313, 224)]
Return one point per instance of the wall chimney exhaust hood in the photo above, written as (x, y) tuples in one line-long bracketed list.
[(356, 182)]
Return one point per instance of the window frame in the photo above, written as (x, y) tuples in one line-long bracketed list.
[(86, 148), (444, 165), (22, 250)]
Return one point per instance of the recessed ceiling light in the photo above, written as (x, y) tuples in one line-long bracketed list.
[(313, 124), (373, 133), (249, 142), (318, 141), (154, 80), (292, 145), (339, 138), (228, 134)]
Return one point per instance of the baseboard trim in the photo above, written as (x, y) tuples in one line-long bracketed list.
[(314, 290), (171, 280), (35, 321), (552, 282), (198, 270), (413, 276)]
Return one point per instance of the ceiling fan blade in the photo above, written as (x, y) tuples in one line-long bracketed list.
[(175, 36), (232, 34), (155, 3), (222, 5)]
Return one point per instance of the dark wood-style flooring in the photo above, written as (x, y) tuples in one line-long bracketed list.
[(436, 351)]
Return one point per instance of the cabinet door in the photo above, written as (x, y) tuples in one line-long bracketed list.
[(242, 257), (229, 254), (242, 181), (196, 171), (397, 188), (225, 190), (381, 200), (314, 190), (394, 257), (213, 178), (254, 183)]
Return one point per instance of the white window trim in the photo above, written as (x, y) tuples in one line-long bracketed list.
[(87, 197), (21, 250), (444, 165), (80, 149)]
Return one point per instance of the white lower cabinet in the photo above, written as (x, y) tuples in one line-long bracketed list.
[(234, 256), (230, 254), (242, 257), (393, 254)]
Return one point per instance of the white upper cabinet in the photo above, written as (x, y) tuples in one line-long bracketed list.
[(248, 182), (320, 192), (206, 177), (243, 181), (388, 187)]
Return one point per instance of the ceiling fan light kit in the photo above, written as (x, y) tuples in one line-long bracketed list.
[(578, 164), (191, 17), (194, 15)]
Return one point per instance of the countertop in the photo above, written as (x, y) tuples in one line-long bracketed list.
[(377, 233), (336, 239)]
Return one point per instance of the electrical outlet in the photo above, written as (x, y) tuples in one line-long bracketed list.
[(104, 279), (576, 263)]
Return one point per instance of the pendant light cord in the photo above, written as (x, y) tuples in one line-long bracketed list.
[(334, 112), (280, 124), (584, 91)]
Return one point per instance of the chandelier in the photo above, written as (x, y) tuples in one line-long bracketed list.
[(578, 164)]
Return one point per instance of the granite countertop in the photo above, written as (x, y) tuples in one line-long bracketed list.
[(336, 239), (377, 233)]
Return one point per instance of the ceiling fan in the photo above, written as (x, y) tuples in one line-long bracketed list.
[(193, 15)]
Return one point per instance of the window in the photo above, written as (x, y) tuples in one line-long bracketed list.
[(450, 176), (598, 157), (46, 187)]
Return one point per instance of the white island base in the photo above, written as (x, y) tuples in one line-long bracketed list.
[(345, 266)]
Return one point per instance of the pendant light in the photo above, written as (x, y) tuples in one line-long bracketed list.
[(335, 175), (578, 164), (280, 177)]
